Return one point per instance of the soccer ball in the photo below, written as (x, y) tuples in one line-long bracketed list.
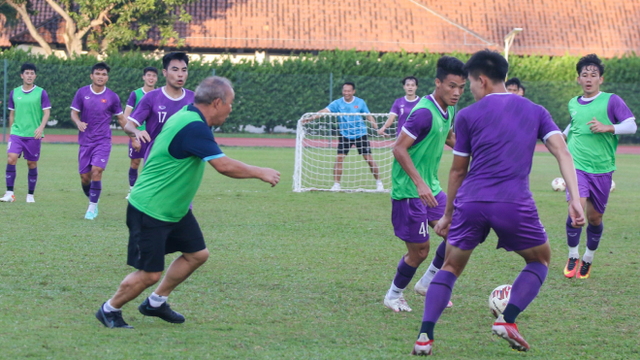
[(499, 299), (613, 186), (558, 184)]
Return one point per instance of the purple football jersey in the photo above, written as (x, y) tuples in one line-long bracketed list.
[(617, 109), (402, 108), (97, 110), (131, 102), (500, 133), (156, 107)]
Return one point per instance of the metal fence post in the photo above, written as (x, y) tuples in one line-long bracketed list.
[(214, 72), (4, 104)]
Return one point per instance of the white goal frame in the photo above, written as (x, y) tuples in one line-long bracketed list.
[(317, 138)]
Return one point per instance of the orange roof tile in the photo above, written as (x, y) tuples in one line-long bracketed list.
[(551, 27)]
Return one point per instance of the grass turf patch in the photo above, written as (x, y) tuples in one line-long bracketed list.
[(295, 276)]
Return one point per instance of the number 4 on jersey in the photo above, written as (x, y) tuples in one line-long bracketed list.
[(423, 230)]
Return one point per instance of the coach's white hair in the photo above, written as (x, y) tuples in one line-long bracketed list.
[(211, 88)]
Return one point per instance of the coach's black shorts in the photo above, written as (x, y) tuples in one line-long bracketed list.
[(150, 239), (361, 143)]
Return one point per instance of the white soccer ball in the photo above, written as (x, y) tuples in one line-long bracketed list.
[(499, 299), (613, 186), (558, 184)]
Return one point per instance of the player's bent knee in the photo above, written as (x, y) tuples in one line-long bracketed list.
[(199, 257), (151, 278)]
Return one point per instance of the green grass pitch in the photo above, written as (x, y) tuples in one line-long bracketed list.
[(295, 276)]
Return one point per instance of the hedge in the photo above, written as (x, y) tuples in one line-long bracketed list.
[(279, 93)]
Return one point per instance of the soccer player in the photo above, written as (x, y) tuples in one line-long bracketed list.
[(29, 109), (402, 106), (150, 77), (92, 108), (417, 198), (513, 85), (158, 216), (498, 134), (158, 105), (597, 118), (353, 132)]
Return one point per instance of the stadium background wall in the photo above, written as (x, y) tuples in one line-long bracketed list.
[(279, 93)]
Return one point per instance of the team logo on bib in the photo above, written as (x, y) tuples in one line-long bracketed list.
[(573, 113), (20, 98)]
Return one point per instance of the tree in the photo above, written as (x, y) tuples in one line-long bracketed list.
[(24, 9), (108, 24)]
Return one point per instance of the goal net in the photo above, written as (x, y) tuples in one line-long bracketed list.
[(317, 145)]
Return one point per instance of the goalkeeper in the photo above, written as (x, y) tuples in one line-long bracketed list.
[(353, 131)]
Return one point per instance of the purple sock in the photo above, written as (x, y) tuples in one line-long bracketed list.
[(573, 234), (33, 179), (404, 274), (438, 260), (11, 176), (133, 176), (594, 233), (438, 295), (526, 287), (94, 192), (86, 188)]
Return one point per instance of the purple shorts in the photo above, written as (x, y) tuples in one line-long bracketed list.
[(595, 187), (410, 217), (93, 155), (517, 225), (29, 147), (137, 154)]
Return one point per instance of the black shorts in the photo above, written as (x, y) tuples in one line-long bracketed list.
[(361, 143), (151, 239)]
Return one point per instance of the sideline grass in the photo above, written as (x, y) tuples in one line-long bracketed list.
[(120, 132), (294, 276)]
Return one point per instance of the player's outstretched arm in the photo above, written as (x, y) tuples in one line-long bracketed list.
[(401, 153), (239, 170), (131, 129), (387, 124), (75, 117), (373, 122), (558, 147), (310, 119), (457, 174)]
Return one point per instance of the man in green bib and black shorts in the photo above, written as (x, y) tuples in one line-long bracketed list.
[(597, 118), (417, 198), (159, 219), (136, 148), (29, 108)]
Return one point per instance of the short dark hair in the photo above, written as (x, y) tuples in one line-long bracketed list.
[(404, 81), (175, 55), (149, 68), (350, 83), (590, 60), (514, 81), (27, 66), (100, 66), (488, 63), (448, 65)]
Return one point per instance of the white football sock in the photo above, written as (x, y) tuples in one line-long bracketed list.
[(92, 207), (130, 188), (156, 300), (428, 275), (588, 256), (108, 308), (573, 252), (394, 292)]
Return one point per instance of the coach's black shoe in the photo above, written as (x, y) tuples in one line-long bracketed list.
[(112, 319), (164, 312)]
